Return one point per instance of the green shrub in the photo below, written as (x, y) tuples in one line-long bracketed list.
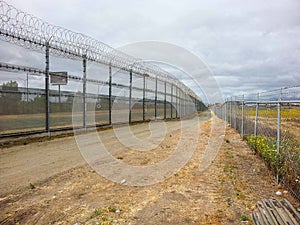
[(243, 217), (266, 148), (286, 163)]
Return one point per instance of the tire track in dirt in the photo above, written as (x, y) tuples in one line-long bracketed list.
[(227, 189)]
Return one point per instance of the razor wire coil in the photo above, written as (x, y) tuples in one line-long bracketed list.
[(30, 32)]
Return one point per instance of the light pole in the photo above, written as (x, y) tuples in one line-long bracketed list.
[(26, 85)]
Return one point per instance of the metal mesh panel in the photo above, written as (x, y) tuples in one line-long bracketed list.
[(270, 121), (102, 85)]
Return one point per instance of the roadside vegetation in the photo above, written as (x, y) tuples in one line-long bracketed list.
[(285, 162)]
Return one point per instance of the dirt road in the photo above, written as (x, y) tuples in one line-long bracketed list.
[(66, 190)]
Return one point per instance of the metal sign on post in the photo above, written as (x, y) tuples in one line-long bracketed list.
[(58, 78)]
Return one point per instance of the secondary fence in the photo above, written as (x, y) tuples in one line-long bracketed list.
[(270, 122), (105, 85)]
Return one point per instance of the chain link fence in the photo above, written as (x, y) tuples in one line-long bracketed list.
[(270, 123)]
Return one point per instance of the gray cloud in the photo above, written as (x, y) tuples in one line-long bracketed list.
[(249, 46)]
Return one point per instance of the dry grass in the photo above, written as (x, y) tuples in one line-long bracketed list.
[(223, 194)]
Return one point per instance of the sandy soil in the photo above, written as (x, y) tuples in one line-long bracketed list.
[(66, 190)]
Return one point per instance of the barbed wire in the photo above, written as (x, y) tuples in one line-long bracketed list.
[(273, 94), (28, 31)]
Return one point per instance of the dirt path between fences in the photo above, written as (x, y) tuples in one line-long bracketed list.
[(66, 190)]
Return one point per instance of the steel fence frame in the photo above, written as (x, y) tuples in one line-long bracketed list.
[(22, 29), (261, 115)]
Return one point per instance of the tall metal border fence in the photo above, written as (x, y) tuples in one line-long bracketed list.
[(270, 122), (63, 68)]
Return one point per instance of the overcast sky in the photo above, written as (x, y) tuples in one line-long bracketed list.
[(250, 46)]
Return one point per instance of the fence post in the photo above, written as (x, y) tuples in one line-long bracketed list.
[(155, 99), (144, 95), (47, 127), (84, 91), (256, 115), (242, 125), (184, 103), (235, 112), (230, 112), (172, 101), (180, 103), (165, 101), (278, 128), (109, 96), (176, 111), (225, 110), (130, 95), (188, 99), (223, 117), (187, 104), (59, 96)]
